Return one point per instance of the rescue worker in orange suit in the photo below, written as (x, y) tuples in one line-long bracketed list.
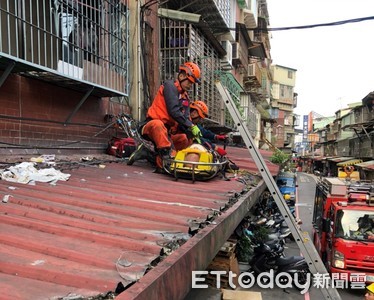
[(199, 111), (168, 121)]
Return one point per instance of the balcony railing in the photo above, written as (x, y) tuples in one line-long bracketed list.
[(66, 41), (251, 14), (363, 115)]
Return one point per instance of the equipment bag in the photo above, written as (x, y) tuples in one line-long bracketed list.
[(121, 147)]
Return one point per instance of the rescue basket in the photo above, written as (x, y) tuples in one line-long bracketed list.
[(195, 163)]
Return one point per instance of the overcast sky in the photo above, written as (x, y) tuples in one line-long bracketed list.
[(335, 64)]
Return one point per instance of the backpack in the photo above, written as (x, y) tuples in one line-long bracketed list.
[(121, 147)]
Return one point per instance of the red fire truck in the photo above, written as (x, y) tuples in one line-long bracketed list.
[(343, 226)]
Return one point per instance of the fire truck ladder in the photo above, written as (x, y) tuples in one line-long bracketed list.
[(302, 238)]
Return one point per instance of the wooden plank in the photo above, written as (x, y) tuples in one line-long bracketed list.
[(224, 259), (227, 249), (234, 267), (219, 267), (213, 283), (240, 295)]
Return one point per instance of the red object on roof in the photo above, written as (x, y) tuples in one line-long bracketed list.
[(108, 225)]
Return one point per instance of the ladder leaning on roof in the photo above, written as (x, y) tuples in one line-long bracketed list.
[(302, 238)]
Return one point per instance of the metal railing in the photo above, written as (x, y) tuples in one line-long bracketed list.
[(84, 40)]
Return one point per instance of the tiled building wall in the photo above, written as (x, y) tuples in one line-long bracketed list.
[(34, 113)]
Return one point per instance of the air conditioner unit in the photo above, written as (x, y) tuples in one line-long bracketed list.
[(226, 62), (235, 50)]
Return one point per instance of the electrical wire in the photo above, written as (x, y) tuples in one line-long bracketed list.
[(337, 23)]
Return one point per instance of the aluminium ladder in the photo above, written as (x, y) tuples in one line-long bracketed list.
[(302, 238)]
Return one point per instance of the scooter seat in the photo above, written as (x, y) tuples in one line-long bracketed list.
[(272, 242), (278, 220), (282, 261)]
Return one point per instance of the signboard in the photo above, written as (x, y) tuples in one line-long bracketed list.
[(305, 128)]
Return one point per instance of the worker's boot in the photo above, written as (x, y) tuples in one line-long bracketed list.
[(164, 156), (140, 153)]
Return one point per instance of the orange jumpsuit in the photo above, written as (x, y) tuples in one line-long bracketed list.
[(168, 114)]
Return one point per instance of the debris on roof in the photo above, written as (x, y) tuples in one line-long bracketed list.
[(27, 173)]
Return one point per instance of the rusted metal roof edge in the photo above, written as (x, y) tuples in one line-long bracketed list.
[(172, 278)]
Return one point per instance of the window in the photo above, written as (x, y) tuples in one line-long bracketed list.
[(354, 224), (319, 200), (290, 74)]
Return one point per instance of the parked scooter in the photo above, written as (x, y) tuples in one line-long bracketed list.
[(276, 229), (266, 259), (270, 209), (249, 229)]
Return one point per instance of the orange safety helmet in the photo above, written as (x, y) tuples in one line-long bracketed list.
[(201, 107), (192, 70)]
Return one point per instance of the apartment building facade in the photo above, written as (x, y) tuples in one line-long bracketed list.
[(347, 140), (67, 64), (284, 100)]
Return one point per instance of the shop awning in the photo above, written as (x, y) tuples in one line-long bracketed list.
[(349, 162), (366, 165), (318, 158), (340, 159), (329, 157)]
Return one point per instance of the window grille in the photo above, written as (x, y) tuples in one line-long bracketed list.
[(84, 40)]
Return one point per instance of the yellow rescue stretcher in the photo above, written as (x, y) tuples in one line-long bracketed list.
[(196, 163)]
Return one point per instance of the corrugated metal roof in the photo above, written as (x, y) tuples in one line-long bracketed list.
[(78, 237)]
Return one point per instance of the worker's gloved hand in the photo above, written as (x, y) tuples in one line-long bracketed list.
[(221, 137), (196, 131)]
